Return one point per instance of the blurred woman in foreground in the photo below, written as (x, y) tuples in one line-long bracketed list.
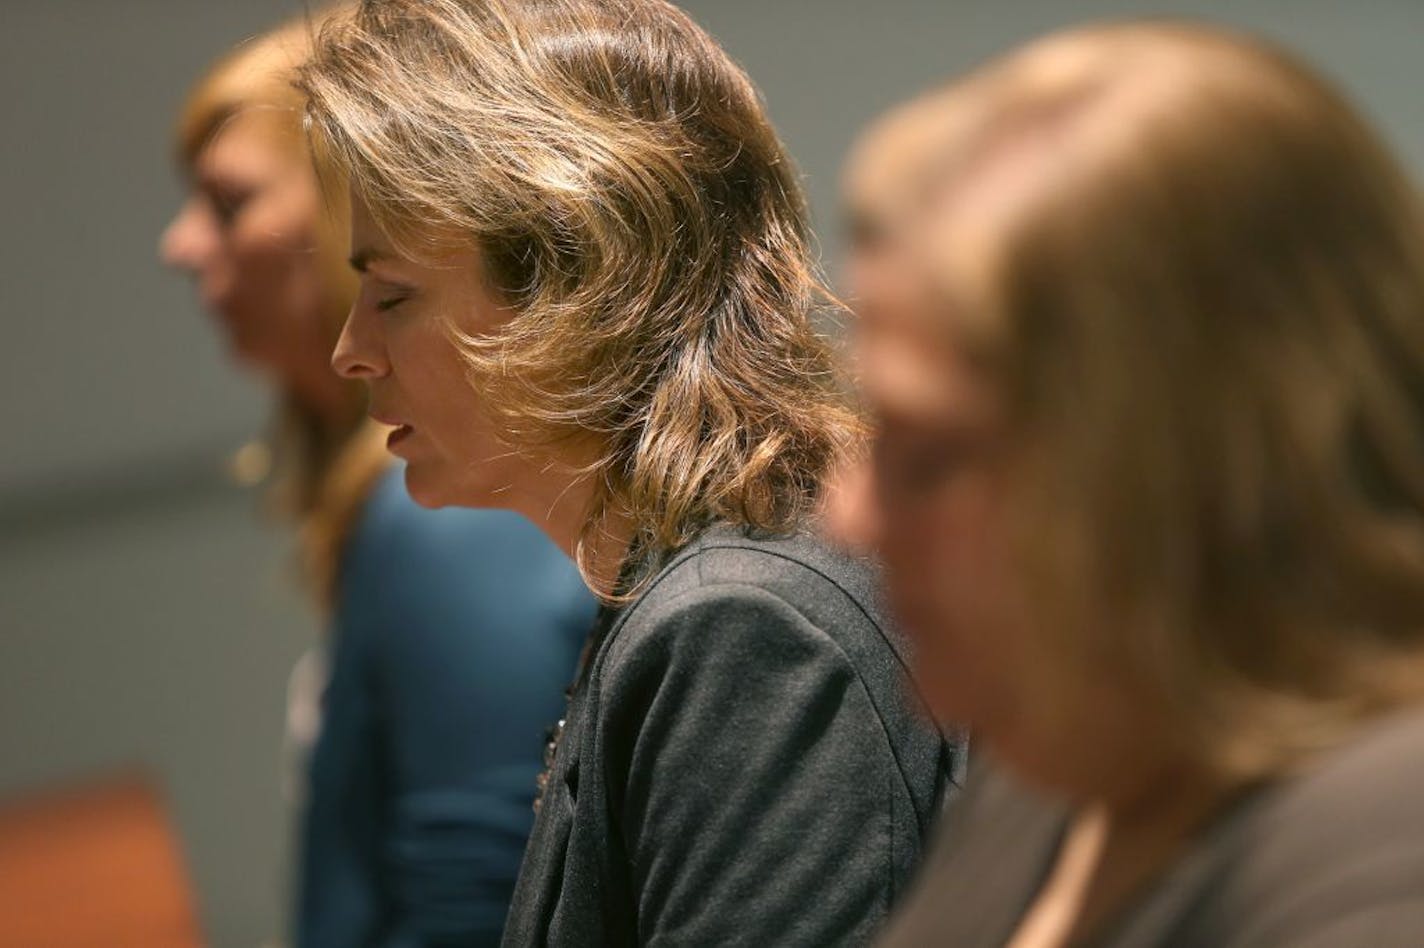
[(452, 632), (1142, 319)]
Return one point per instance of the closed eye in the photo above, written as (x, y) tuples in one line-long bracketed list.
[(385, 295), (226, 204), (918, 459)]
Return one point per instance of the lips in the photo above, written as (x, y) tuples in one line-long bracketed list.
[(399, 429), (397, 435)]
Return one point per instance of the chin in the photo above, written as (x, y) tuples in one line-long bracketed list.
[(959, 687), (248, 356), (430, 485), (425, 490), (483, 499)]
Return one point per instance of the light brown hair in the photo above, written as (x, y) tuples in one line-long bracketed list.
[(322, 469), (1199, 286), (619, 176)]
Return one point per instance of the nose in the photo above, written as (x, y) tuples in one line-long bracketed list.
[(360, 351), (852, 513), (190, 238)]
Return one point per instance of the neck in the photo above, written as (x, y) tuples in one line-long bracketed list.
[(1144, 829), (559, 506), (1140, 792), (1170, 791)]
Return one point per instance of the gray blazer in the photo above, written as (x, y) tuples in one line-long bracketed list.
[(742, 762), (1332, 858)]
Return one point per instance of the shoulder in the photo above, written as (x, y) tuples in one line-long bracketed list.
[(795, 567), (798, 573), (1345, 838), (746, 595), (780, 624), (1363, 792), (1311, 858)]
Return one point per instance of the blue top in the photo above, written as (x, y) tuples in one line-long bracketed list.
[(455, 634)]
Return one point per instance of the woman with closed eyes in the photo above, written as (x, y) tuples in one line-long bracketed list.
[(586, 295), (1142, 320)]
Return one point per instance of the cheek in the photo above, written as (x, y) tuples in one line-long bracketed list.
[(944, 552), (951, 583), (274, 244), (280, 292), (435, 395)]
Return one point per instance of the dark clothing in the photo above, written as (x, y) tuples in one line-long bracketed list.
[(455, 634), (743, 762), (1332, 858)]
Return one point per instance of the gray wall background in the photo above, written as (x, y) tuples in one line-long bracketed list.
[(146, 615)]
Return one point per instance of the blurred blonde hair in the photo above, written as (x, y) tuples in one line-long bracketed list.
[(322, 471), (629, 197), (1198, 278)]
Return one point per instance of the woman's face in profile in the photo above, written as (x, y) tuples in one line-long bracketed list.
[(247, 232), (399, 340)]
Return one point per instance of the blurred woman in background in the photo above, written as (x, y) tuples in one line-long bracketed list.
[(586, 295), (453, 633), (1142, 321)]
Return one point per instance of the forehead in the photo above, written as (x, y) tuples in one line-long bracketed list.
[(458, 266), (913, 366), (246, 143), (885, 165)]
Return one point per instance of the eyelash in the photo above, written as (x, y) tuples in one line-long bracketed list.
[(923, 469), (227, 207), (390, 303)]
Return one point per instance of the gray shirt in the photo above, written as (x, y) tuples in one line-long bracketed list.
[(743, 763), (1330, 858)]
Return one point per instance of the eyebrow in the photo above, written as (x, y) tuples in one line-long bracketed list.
[(363, 258)]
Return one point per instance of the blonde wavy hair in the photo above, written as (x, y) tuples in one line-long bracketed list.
[(322, 471), (1198, 282), (618, 174)]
